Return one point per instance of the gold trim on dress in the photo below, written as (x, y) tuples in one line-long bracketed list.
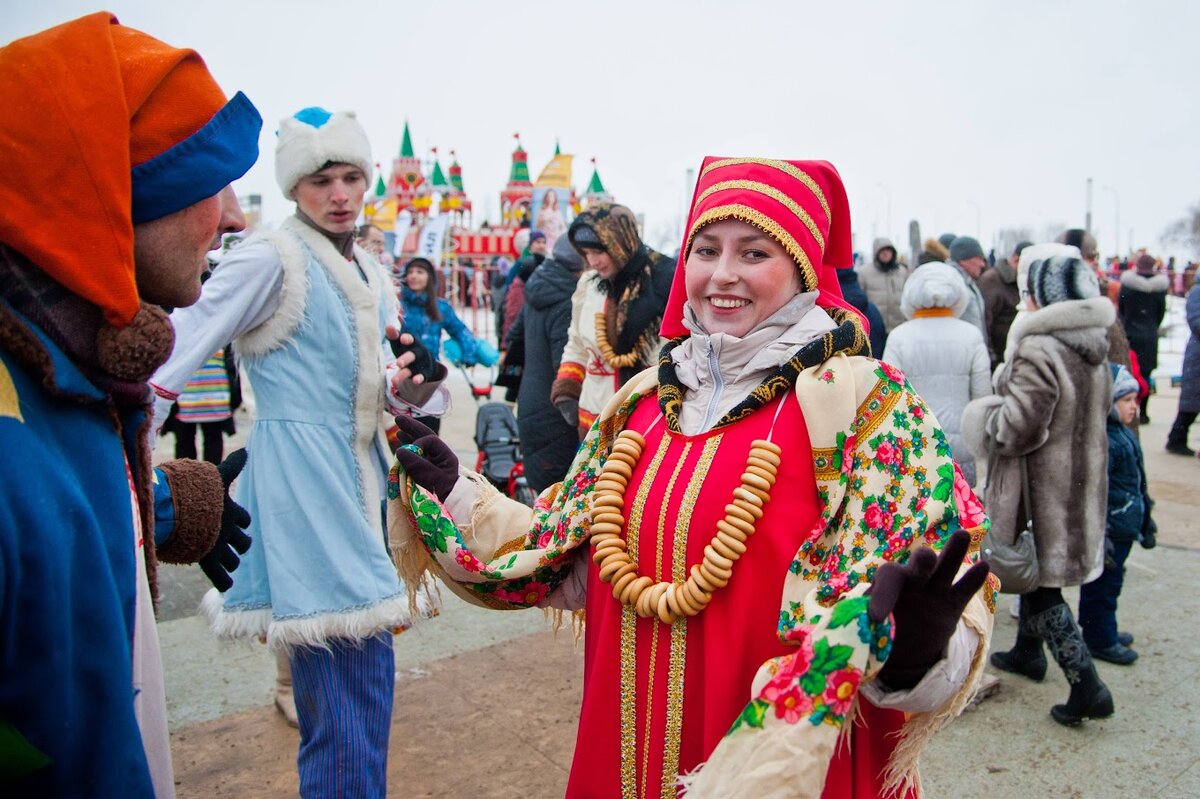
[(629, 640)]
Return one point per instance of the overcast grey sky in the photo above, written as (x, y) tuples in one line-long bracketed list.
[(969, 116)]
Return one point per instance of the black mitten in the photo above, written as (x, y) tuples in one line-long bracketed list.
[(926, 605), (423, 364), (232, 540), (435, 468)]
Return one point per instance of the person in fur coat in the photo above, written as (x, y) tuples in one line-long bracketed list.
[(1141, 306), (1049, 414), (943, 357)]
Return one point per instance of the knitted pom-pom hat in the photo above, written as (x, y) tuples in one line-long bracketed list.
[(314, 138)]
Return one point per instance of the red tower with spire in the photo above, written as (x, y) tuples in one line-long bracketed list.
[(517, 195)]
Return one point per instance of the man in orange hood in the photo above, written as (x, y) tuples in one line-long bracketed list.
[(129, 145)]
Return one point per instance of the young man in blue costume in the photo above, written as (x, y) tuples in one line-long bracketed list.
[(310, 314), (129, 146)]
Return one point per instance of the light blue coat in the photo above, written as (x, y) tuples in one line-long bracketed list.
[(319, 567)]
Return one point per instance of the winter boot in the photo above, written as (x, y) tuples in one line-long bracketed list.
[(1177, 439), (285, 702), (1090, 697), (1026, 657)]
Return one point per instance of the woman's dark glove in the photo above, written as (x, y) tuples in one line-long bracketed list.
[(232, 540), (926, 604), (435, 467)]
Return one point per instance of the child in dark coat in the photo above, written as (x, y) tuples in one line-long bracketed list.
[(1128, 520)]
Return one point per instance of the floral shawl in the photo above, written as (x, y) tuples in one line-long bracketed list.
[(886, 483)]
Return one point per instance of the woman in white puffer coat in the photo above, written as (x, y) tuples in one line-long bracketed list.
[(944, 358)]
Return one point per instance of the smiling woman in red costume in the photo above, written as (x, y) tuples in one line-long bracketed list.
[(765, 531)]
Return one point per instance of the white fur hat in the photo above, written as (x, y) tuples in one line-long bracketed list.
[(934, 285), (314, 137)]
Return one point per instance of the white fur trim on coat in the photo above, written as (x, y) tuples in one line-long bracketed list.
[(317, 631), (292, 296)]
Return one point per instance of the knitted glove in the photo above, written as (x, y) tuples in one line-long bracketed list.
[(435, 467), (232, 539), (926, 605), (423, 364)]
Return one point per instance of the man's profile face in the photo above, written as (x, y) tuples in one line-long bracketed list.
[(373, 241), (169, 253), (974, 265), (332, 197), (538, 247)]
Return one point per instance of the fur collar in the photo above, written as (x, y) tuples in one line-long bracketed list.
[(1150, 283), (1082, 325)]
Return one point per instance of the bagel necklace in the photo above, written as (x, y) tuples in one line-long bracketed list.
[(671, 601), (606, 350)]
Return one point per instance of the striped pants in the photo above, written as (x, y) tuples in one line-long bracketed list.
[(344, 704)]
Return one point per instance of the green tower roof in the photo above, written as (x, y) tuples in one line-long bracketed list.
[(594, 185), (438, 180), (380, 187), (406, 148)]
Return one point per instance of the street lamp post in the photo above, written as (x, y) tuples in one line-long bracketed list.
[(1116, 221)]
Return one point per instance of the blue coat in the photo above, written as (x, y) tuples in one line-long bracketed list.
[(68, 574), (429, 331), (1128, 499)]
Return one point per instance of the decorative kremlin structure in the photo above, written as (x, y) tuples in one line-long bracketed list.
[(415, 188)]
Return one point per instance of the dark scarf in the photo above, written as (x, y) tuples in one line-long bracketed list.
[(847, 338)]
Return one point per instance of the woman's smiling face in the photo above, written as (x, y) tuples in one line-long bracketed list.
[(737, 276)]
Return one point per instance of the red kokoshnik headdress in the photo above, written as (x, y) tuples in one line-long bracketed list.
[(800, 204)]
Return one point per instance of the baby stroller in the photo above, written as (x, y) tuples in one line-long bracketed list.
[(499, 458), (496, 435)]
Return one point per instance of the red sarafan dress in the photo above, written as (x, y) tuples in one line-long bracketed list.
[(692, 679)]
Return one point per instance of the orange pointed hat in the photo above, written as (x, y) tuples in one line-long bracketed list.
[(105, 127), (800, 204)]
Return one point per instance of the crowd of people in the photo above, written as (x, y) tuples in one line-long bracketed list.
[(766, 475)]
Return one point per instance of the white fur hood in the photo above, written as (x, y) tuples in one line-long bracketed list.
[(1157, 284)]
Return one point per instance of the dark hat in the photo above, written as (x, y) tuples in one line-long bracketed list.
[(946, 239), (424, 263), (964, 247), (1146, 263), (536, 235)]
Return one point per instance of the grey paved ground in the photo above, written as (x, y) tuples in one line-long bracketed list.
[(227, 741)]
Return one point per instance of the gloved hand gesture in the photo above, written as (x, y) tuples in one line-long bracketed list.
[(926, 605), (411, 354), (232, 540), (435, 468)]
